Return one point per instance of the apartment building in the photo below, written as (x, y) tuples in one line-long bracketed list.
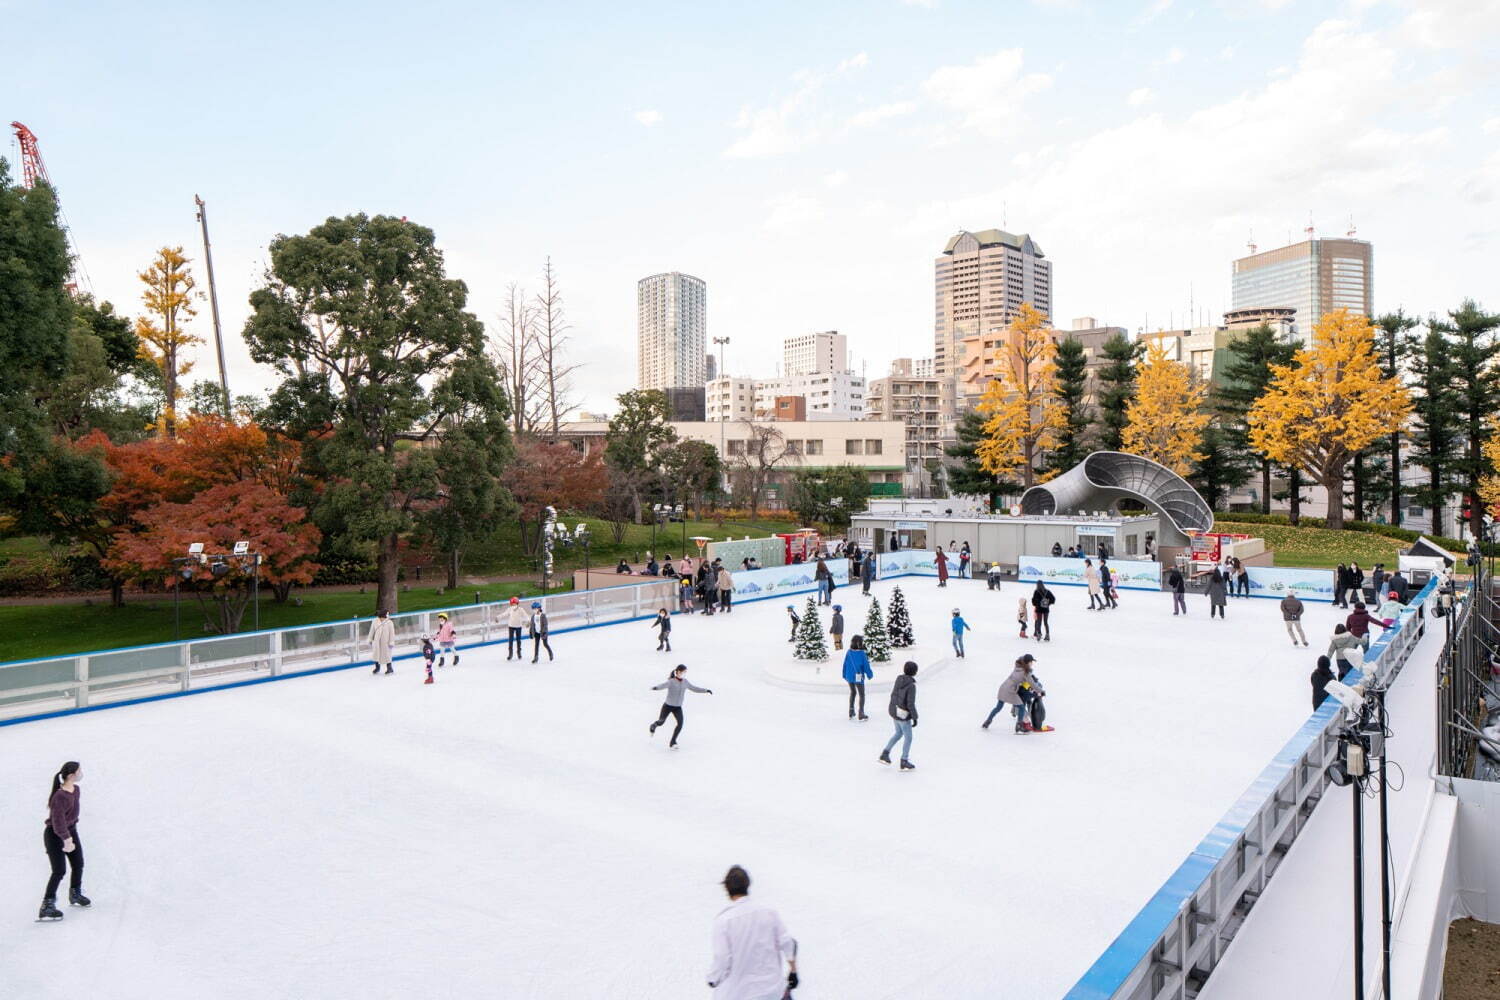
[(671, 331)]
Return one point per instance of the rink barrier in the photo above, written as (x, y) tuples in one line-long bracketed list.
[(1126, 574), (1171, 946), (50, 687)]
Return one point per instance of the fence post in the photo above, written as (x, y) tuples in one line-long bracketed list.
[(185, 661), (276, 654), (81, 675)]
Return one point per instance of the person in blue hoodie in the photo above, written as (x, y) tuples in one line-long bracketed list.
[(856, 670), (959, 626)]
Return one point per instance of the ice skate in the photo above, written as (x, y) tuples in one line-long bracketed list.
[(907, 765), (77, 898), (49, 910), (885, 757)]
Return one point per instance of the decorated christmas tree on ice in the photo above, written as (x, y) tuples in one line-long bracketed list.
[(877, 641), (810, 644), (899, 628)]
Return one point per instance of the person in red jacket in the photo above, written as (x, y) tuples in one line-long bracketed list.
[(60, 839), (1358, 623)]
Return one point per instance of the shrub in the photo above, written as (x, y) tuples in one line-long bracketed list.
[(1369, 527)]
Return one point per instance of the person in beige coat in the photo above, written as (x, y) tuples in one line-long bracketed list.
[(515, 620), (725, 584), (382, 640), (1091, 577)]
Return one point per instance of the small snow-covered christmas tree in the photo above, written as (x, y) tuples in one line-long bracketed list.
[(877, 641), (899, 628), (810, 644)]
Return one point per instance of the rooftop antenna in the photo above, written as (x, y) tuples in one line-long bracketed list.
[(1251, 244), (1310, 231), (1350, 233)]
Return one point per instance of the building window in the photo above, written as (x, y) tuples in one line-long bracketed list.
[(793, 447), (813, 448), (873, 447), (736, 447), (854, 446)]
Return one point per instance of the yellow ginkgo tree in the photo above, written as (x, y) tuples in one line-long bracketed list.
[(1328, 404), (1022, 414), (169, 305), (1165, 420), (1489, 485)]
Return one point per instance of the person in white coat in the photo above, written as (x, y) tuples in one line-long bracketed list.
[(1091, 577), (515, 621), (750, 945), (382, 640)]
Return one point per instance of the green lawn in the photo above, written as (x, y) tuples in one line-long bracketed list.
[(1319, 548)]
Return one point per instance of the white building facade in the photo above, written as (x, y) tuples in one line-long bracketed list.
[(672, 331), (829, 395), (729, 398), (815, 354)]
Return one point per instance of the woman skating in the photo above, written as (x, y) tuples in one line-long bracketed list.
[(1218, 585), (1042, 600), (382, 640), (856, 671), (942, 567), (515, 620), (1091, 577), (60, 839), (539, 632), (677, 686)]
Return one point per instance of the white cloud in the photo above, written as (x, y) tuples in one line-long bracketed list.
[(872, 116), (774, 130), (857, 61), (920, 3), (649, 117), (836, 179), (989, 92), (1155, 10), (791, 211), (1226, 53), (1173, 57), (1055, 4), (1491, 126), (1139, 96), (1440, 24)]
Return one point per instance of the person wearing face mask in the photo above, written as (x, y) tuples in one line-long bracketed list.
[(60, 839)]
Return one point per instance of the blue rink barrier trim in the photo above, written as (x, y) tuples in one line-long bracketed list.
[(1135, 943)]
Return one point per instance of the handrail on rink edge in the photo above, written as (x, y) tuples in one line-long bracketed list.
[(1173, 944)]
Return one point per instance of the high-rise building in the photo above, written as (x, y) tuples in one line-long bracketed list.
[(710, 368), (1313, 277), (980, 280), (672, 331), (815, 354)]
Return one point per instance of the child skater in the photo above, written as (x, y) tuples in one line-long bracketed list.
[(447, 639), (1021, 615), (663, 622), (677, 686), (427, 655), (836, 626), (792, 614), (685, 591)]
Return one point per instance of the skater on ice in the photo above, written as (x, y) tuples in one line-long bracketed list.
[(992, 576), (836, 626), (539, 632), (1358, 623), (447, 639), (856, 672), (1291, 614), (1320, 678), (823, 576), (1107, 583), (754, 956), (428, 653), (963, 561), (1091, 577), (663, 625), (677, 686), (1042, 600), (60, 839), (1345, 650), (867, 572), (791, 612), (726, 590), (1009, 693), (382, 640), (1217, 587), (942, 567), (515, 620), (1023, 614), (685, 593), (1178, 587), (903, 712), (959, 628)]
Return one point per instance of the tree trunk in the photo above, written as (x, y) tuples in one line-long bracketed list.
[(1335, 487), (281, 592), (1396, 480), (1357, 492), (387, 565), (116, 592), (1265, 486), (1294, 481), (453, 559), (1476, 468), (1437, 497)]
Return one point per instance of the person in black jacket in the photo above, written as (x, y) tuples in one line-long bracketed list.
[(1042, 600), (1320, 679), (1178, 587), (663, 624), (867, 572), (903, 711), (1107, 583), (1340, 586), (1397, 585)]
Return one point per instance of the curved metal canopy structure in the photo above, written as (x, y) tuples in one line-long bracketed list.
[(1104, 478)]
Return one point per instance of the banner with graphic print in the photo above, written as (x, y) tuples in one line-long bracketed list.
[(753, 584), (1127, 575), (1277, 582)]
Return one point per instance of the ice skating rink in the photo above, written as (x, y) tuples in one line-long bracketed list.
[(513, 832)]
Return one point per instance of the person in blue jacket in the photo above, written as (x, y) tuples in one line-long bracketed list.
[(856, 669), (959, 625)]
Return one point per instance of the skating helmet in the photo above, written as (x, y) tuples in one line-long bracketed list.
[(536, 604), (515, 600), (443, 615), (955, 611), (838, 607)]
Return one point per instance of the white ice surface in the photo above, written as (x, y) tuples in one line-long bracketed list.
[(513, 832)]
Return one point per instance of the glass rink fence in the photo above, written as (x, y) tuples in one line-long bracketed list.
[(1170, 948), (32, 689)]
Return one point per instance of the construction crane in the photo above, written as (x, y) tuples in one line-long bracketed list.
[(33, 169), (213, 299)]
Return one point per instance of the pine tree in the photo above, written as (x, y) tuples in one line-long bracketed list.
[(1246, 377), (1436, 440), (1070, 388), (1116, 382), (899, 628), (877, 639), (967, 477), (1392, 346), (1475, 353), (810, 644)]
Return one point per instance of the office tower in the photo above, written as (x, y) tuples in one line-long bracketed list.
[(1313, 277), (672, 331), (815, 354), (981, 279)]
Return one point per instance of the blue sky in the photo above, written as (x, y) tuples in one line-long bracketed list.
[(808, 160)]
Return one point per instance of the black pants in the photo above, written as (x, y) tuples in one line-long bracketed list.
[(663, 641), (513, 647), (54, 846), (1242, 588), (673, 710), (1043, 625), (725, 598), (1109, 595), (857, 689), (865, 580), (538, 643)]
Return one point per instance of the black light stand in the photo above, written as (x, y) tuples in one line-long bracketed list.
[(1352, 769)]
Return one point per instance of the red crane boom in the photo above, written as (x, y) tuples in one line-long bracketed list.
[(32, 166)]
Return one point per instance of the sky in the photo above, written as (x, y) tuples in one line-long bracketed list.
[(808, 160)]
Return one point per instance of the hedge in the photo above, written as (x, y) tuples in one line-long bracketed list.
[(1387, 530)]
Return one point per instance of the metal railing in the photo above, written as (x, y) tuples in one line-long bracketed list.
[(37, 688), (1468, 689), (1170, 948)]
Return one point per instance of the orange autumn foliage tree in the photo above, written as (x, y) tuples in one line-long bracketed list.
[(1022, 413), (168, 299), (554, 474)]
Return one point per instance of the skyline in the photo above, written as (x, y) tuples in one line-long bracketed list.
[(1140, 147)]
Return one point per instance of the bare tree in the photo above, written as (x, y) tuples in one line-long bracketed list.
[(764, 450), (518, 356), (552, 335)]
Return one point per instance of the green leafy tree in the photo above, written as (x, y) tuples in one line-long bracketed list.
[(635, 446), (877, 639), (899, 628), (372, 338), (1070, 386), (1219, 469), (1475, 352), (1392, 346), (810, 644), (1436, 440), (828, 495), (1246, 377), (694, 472), (1116, 380), (967, 476)]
